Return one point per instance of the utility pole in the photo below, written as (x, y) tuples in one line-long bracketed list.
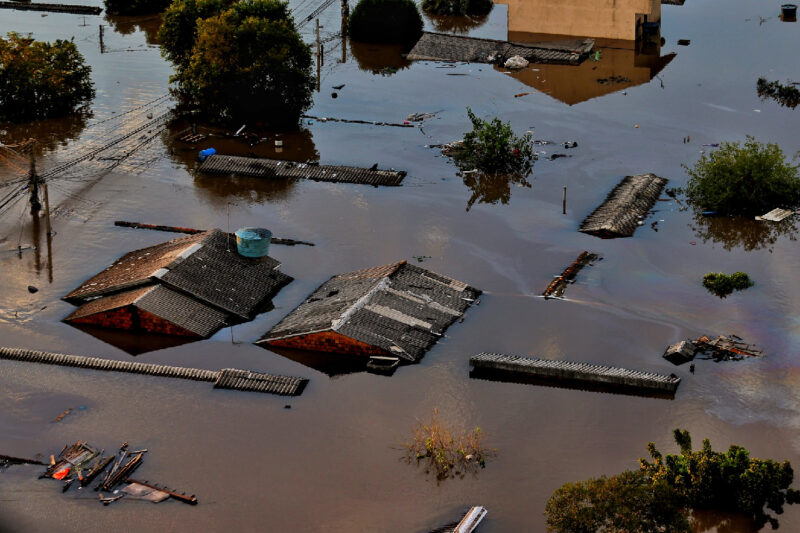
[(319, 57), (33, 182), (345, 17), (102, 47), (564, 202), (47, 209)]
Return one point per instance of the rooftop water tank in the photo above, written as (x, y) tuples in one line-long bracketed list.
[(253, 242)]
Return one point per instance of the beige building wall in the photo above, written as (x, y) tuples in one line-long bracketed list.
[(610, 19)]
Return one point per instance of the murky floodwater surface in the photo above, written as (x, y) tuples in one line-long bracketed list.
[(333, 462)]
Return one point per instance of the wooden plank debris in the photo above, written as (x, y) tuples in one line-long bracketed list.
[(568, 371), (193, 231), (722, 348), (276, 169), (180, 496), (471, 520), (776, 215), (228, 378), (446, 47), (52, 8), (557, 287), (625, 207)]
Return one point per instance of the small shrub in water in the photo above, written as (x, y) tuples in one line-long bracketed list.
[(446, 453), (722, 284), (748, 179), (493, 148), (786, 95), (457, 7), (386, 21)]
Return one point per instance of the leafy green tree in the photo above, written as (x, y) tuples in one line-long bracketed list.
[(136, 7), (492, 147), (386, 21), (40, 79), (627, 502), (731, 481), (179, 29), (246, 62), (457, 7), (743, 180)]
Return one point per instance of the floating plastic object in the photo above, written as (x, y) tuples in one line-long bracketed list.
[(789, 12), (516, 62), (204, 154), (253, 242)]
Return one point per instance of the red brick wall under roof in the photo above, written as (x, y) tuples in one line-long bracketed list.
[(328, 341), (129, 318)]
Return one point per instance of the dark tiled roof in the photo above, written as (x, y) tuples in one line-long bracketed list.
[(133, 269), (182, 311), (217, 274), (626, 205), (446, 47), (273, 168), (404, 312)]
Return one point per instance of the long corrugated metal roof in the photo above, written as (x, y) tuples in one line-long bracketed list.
[(447, 47), (273, 168), (404, 312)]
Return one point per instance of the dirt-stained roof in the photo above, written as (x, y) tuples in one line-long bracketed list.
[(400, 308)]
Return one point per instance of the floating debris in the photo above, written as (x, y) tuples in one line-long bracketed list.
[(776, 215), (467, 524), (625, 207), (723, 348), (557, 287)]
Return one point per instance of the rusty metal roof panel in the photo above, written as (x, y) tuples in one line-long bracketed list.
[(273, 168)]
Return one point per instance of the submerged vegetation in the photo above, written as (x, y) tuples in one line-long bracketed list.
[(493, 148), (41, 79), (136, 7), (747, 179), (444, 452), (245, 62), (785, 95), (722, 284), (386, 21), (457, 7), (661, 494), (626, 502)]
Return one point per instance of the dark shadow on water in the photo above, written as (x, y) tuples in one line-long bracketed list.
[(297, 146), (492, 188), (147, 24), (705, 521), (334, 365), (49, 133), (742, 232), (456, 24), (134, 343), (384, 59)]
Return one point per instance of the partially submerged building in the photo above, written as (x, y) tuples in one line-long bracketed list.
[(394, 311), (190, 286)]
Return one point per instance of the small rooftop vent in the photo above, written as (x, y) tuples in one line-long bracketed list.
[(253, 242)]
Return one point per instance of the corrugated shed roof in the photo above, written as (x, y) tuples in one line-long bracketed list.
[(403, 312), (447, 47), (134, 268), (625, 206), (217, 274)]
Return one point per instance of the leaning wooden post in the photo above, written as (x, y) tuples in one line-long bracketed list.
[(564, 202)]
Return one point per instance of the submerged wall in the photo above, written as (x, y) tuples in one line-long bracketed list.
[(610, 19)]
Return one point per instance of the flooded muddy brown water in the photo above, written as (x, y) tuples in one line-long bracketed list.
[(333, 462)]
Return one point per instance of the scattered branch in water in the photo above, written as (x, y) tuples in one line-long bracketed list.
[(446, 453)]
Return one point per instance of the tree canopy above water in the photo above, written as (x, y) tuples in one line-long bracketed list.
[(239, 62), (41, 79)]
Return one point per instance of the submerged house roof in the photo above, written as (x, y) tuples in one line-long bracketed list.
[(188, 286), (625, 207), (399, 310)]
